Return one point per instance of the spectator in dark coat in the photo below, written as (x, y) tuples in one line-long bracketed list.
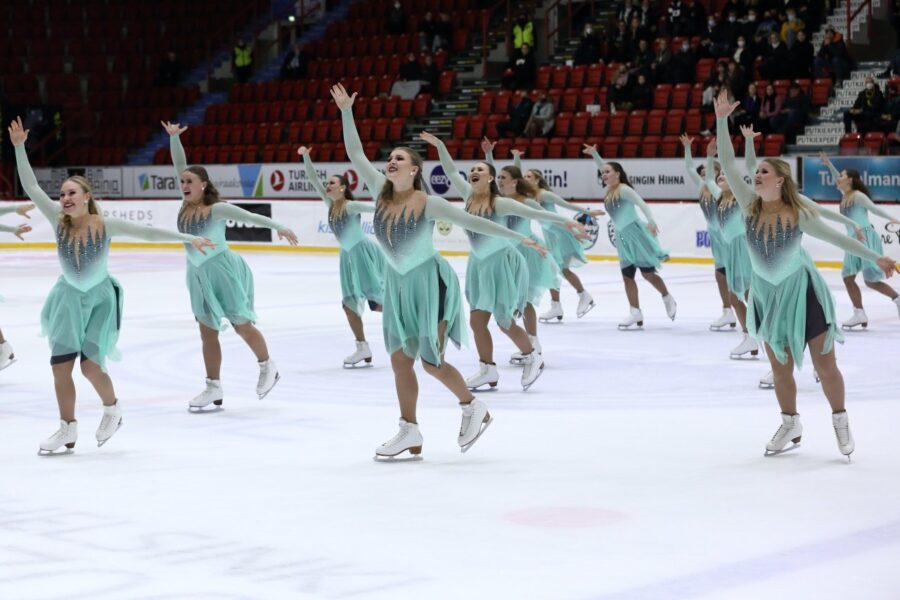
[(800, 58), (659, 69), (410, 71), (748, 112), (641, 94), (771, 106), (519, 113), (774, 58), (296, 63), (588, 51), (524, 68), (169, 70), (743, 54), (866, 110), (395, 21), (684, 63), (794, 114), (429, 75), (833, 57)]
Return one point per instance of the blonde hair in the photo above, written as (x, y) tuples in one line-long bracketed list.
[(93, 205), (387, 190), (789, 193)]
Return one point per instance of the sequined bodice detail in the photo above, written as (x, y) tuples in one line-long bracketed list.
[(857, 212), (201, 225), (730, 220), (775, 250), (483, 245), (621, 211), (83, 260), (340, 225), (710, 209), (406, 240)]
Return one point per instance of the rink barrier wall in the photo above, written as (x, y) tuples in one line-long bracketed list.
[(682, 230)]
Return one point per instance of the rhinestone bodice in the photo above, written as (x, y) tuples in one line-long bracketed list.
[(83, 259)]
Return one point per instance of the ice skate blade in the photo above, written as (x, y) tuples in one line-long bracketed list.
[(197, 410), (589, 309), (484, 425), (777, 452), (552, 320), (753, 356), (366, 365), (118, 427), (9, 364), (67, 449), (540, 372), (722, 327), (415, 454), (274, 383), (480, 389), (861, 326), (638, 327), (766, 386)]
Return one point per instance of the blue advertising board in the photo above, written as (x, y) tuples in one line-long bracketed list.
[(880, 173)]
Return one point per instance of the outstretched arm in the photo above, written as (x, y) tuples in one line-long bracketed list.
[(592, 152), (355, 207), (179, 159), (635, 198), (835, 174), (487, 146), (508, 206), (816, 228), (456, 180), (116, 227), (559, 201), (710, 182), (21, 209), (517, 159), (872, 207), (743, 193), (48, 207), (749, 148), (831, 215), (223, 210), (373, 177), (689, 161), (439, 209), (312, 176)]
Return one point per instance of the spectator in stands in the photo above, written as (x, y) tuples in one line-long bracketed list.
[(395, 22), (800, 58), (867, 109), (659, 69), (643, 58), (676, 19), (429, 75), (771, 106), (748, 112), (696, 17), (743, 55), (704, 48), (719, 45), (736, 78), (169, 70), (296, 63), (636, 33), (521, 70), (242, 61), (619, 50), (519, 113), (619, 94), (523, 32), (649, 15), (588, 51), (709, 94), (542, 118), (833, 57), (774, 58), (893, 69), (794, 114), (718, 76), (641, 94), (427, 31), (748, 27), (627, 10), (684, 64), (890, 114), (723, 35), (767, 25), (790, 27), (444, 33), (410, 71)]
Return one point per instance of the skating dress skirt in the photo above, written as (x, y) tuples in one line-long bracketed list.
[(735, 255), (361, 260), (854, 264), (782, 275), (83, 312), (709, 208), (543, 271), (566, 250), (636, 246), (496, 275), (420, 288)]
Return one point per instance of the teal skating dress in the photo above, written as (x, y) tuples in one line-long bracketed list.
[(857, 207), (219, 282), (497, 275), (361, 260), (636, 246), (420, 287), (784, 279), (83, 312), (708, 205), (733, 252)]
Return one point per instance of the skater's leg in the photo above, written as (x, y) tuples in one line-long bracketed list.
[(740, 310), (554, 295), (785, 386), (879, 286), (65, 388), (484, 343), (853, 291), (656, 281), (631, 289), (100, 380), (722, 284), (356, 325), (573, 279), (828, 372), (406, 383), (447, 373), (529, 318), (519, 338), (212, 352), (254, 338)]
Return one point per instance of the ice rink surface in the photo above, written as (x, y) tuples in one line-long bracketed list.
[(633, 469)]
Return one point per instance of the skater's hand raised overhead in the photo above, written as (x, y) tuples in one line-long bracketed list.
[(21, 230), (17, 132), (173, 128), (723, 107), (487, 145), (686, 140), (430, 139), (341, 97), (23, 210), (824, 158), (711, 147), (516, 153), (304, 151), (747, 132)]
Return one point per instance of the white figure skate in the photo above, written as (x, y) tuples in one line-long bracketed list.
[(211, 395), (363, 353), (475, 419), (585, 304), (859, 319), (767, 381), (486, 376), (534, 368), (268, 377), (747, 346), (790, 431), (725, 320), (842, 432), (635, 319), (554, 315), (517, 357), (7, 356), (408, 439), (65, 436), (109, 424), (671, 305)]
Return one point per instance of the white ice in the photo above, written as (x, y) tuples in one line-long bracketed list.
[(633, 469)]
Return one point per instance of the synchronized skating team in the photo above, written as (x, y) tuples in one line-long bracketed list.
[(767, 282)]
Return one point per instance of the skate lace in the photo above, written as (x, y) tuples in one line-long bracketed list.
[(783, 430), (843, 433), (58, 435), (466, 421), (404, 431), (106, 421)]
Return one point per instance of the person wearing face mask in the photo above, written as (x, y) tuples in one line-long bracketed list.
[(747, 27), (790, 27), (790, 306), (588, 51), (774, 58), (542, 118), (82, 315), (683, 64), (833, 58), (743, 55), (866, 110)]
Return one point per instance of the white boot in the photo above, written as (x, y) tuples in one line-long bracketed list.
[(211, 395), (486, 375), (555, 312), (842, 432), (534, 366), (7, 356), (66, 435), (407, 439), (635, 317), (748, 344), (517, 357), (109, 424), (671, 306), (363, 353), (726, 320), (790, 431), (767, 381), (475, 419), (268, 377), (859, 319), (585, 304)]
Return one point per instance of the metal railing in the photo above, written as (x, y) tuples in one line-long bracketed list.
[(853, 14), (486, 16), (553, 22)]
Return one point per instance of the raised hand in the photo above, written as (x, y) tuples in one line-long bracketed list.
[(199, 243), (824, 158), (589, 149), (173, 128), (711, 147), (516, 153), (22, 211), (429, 138), (341, 97), (21, 230), (17, 132), (290, 236), (686, 140), (535, 246), (723, 106), (888, 265), (747, 131), (304, 151), (487, 145)]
